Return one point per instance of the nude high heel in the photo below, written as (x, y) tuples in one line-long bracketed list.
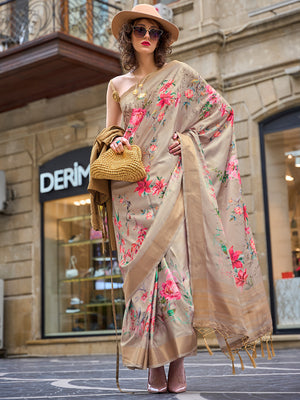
[(177, 387), (156, 388)]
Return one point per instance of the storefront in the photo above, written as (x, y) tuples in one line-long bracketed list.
[(56, 269), (280, 149), (76, 285)]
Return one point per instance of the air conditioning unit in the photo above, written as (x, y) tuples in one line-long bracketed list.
[(165, 11)]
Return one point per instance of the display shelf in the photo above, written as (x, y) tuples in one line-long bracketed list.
[(90, 305), (79, 313), (73, 219), (92, 278), (80, 243), (88, 257)]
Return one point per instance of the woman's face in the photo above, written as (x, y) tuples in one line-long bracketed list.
[(144, 44)]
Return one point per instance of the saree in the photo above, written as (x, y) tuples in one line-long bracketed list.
[(185, 248)]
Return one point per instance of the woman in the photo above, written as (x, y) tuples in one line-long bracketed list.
[(184, 245)]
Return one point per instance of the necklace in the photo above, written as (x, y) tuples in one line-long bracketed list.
[(138, 90)]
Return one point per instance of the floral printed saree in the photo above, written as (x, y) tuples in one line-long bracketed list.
[(185, 248)]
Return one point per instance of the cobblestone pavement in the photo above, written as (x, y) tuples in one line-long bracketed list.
[(93, 377)]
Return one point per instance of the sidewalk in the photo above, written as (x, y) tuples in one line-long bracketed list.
[(93, 377)]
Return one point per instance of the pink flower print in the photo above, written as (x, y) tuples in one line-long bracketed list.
[(209, 89), (170, 290), (153, 147), (117, 223), (245, 213), (189, 93), (160, 116), (137, 116), (144, 296), (234, 255), (147, 169), (230, 117), (239, 177), (213, 99), (217, 134), (159, 186), (142, 233), (223, 109), (247, 230), (149, 215), (232, 167), (240, 280), (166, 86), (238, 210), (143, 187), (165, 99), (149, 308), (252, 245), (177, 100)]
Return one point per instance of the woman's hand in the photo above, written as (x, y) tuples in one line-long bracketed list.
[(175, 148), (118, 145)]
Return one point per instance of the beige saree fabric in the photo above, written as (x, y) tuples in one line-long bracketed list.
[(185, 249)]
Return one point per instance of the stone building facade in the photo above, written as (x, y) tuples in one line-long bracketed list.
[(249, 50)]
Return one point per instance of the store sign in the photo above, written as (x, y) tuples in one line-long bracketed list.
[(63, 178), (66, 175)]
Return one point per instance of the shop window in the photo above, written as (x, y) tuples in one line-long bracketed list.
[(76, 259), (281, 147)]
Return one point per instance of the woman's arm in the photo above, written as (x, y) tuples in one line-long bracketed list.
[(114, 117), (113, 109)]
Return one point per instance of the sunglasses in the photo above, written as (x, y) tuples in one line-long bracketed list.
[(140, 32)]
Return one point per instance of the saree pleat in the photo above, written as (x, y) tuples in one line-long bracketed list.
[(185, 247)]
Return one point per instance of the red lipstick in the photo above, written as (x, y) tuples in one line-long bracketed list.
[(145, 43)]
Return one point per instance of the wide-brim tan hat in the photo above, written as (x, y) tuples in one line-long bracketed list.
[(143, 11)]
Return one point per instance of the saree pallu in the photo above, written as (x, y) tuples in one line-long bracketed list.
[(185, 248)]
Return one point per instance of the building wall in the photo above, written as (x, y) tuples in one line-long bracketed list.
[(245, 59), (29, 137)]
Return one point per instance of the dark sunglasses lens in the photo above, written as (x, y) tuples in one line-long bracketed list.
[(139, 31), (155, 34)]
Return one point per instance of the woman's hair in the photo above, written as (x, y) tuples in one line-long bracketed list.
[(128, 57)]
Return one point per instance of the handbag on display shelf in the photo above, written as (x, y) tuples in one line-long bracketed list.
[(126, 167), (72, 271)]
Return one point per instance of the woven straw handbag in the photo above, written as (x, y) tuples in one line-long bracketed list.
[(126, 167)]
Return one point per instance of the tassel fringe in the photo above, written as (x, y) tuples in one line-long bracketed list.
[(251, 358), (246, 346), (207, 347), (272, 348), (262, 349), (241, 361)]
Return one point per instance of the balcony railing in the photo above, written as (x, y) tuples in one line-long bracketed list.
[(25, 20)]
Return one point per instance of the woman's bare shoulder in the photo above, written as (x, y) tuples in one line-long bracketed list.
[(123, 82)]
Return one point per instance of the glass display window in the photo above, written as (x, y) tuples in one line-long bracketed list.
[(76, 266), (282, 191), (77, 272)]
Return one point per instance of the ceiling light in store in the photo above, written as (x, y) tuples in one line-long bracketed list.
[(297, 162), (82, 202), (289, 178), (290, 156)]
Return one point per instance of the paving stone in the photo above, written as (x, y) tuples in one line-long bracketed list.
[(93, 377)]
